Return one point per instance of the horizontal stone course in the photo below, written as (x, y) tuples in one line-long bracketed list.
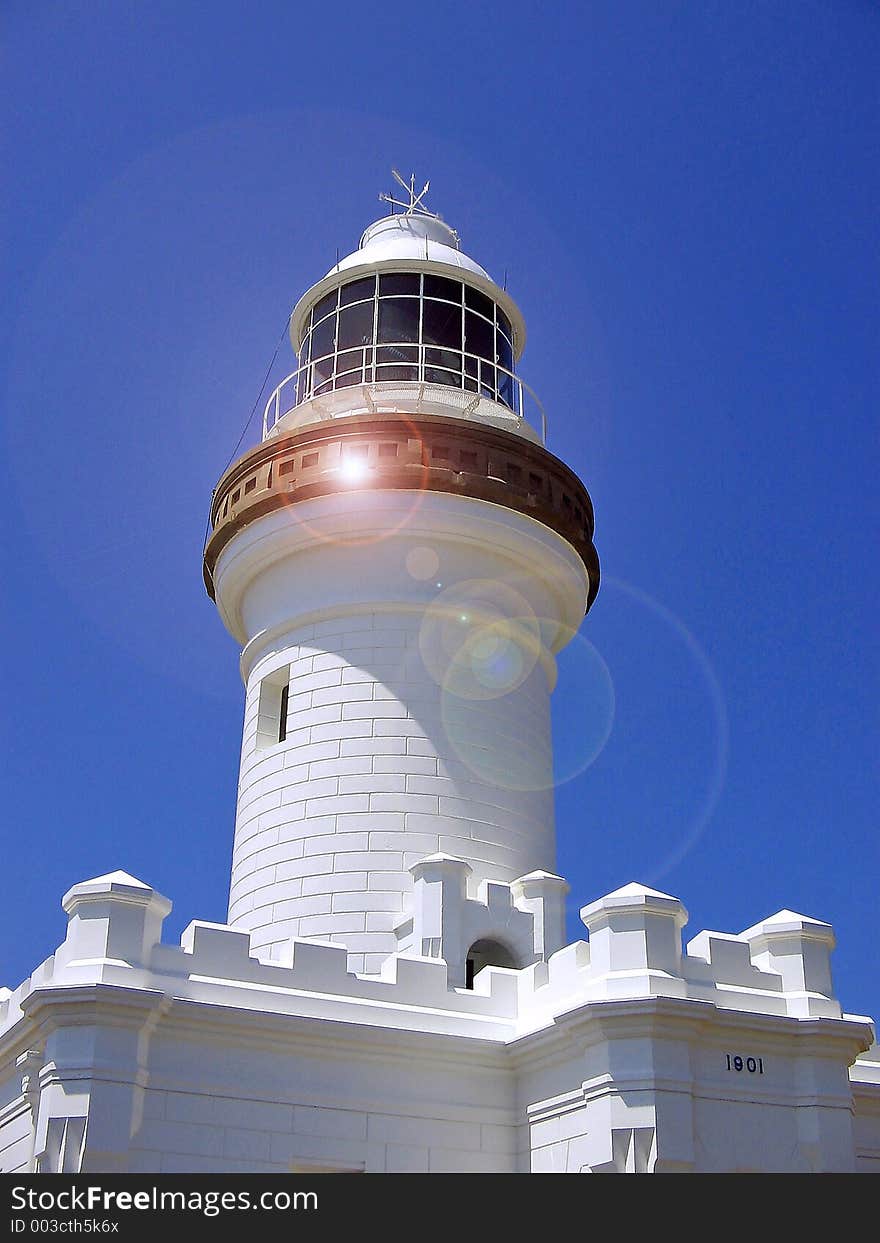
[(338, 804), (314, 904), (334, 843), (367, 860), (335, 882), (312, 865), (358, 900), (341, 766), (320, 924)]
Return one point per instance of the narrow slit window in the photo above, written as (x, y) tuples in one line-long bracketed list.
[(273, 708), (282, 715)]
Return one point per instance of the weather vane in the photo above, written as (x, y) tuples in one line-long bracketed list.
[(415, 203)]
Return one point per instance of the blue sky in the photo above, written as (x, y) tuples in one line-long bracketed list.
[(683, 198)]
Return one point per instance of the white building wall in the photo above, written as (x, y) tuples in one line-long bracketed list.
[(395, 1111), (16, 1125), (865, 1083)]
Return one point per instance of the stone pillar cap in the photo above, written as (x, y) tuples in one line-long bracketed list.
[(548, 879), (450, 862), (119, 886), (636, 898), (786, 924)]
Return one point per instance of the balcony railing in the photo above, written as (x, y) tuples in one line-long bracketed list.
[(479, 380)]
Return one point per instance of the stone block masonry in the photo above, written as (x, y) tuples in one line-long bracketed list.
[(315, 812)]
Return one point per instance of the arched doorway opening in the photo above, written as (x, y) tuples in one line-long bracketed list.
[(486, 953)]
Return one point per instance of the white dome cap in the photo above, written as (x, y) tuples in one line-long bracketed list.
[(410, 236), (411, 240)]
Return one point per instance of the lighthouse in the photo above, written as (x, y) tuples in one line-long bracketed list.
[(401, 558)]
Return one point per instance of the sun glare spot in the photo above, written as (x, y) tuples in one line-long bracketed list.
[(353, 471)]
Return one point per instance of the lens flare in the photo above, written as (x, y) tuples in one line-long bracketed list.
[(353, 471), (358, 478), (480, 639), (519, 753), (422, 563)]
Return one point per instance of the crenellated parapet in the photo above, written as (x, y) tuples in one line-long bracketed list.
[(780, 967), (619, 1046)]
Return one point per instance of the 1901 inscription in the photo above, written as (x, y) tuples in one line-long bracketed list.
[(754, 1065)]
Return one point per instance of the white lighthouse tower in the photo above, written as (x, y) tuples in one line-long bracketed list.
[(400, 558)]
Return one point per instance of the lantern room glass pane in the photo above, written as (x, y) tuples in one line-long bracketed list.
[(397, 353), (417, 328), (441, 325), (349, 367), (505, 352), (479, 337), (324, 338), (323, 306), (321, 376), (440, 375), (440, 287), (397, 283), (355, 325), (399, 319), (357, 291), (392, 363), (488, 379), (444, 358), (479, 302)]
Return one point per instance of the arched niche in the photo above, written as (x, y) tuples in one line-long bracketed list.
[(487, 953)]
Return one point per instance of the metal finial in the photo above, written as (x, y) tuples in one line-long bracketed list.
[(415, 204)]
